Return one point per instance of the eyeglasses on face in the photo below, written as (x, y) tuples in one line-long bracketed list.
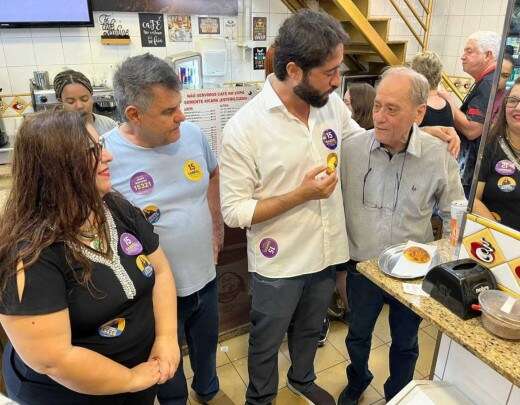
[(97, 147), (512, 101)]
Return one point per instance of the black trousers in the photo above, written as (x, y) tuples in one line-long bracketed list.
[(366, 301), (294, 305)]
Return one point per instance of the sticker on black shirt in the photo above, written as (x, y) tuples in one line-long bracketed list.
[(130, 245), (505, 167), (113, 328), (506, 184), (144, 265)]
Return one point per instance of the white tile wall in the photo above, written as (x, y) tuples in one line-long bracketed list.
[(48, 50), (24, 50), (52, 49), (452, 22), (5, 83), (471, 24), (474, 7), (18, 51), (457, 7)]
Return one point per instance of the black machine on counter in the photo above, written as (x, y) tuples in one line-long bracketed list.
[(457, 284)]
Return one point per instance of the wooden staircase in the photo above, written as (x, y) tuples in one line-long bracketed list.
[(370, 48)]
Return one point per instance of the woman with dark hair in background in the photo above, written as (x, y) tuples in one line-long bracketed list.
[(505, 73), (75, 91), (498, 192), (87, 297), (359, 98)]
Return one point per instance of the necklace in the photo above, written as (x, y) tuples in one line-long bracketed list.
[(93, 239), (113, 262), (515, 149)]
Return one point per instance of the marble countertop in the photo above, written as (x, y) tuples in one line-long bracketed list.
[(501, 355)]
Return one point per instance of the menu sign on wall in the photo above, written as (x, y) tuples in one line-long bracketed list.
[(259, 57), (259, 28), (211, 109), (152, 30)]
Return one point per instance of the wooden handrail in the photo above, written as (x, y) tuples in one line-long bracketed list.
[(429, 13), (424, 5), (417, 17), (447, 82), (405, 20)]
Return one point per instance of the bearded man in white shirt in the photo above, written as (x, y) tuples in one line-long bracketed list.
[(275, 182)]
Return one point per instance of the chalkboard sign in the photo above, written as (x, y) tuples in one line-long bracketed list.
[(259, 57), (152, 30)]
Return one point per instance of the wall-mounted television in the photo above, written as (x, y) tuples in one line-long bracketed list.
[(48, 13)]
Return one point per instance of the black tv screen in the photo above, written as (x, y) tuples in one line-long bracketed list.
[(47, 13)]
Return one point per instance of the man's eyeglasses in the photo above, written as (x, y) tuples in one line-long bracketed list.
[(512, 101), (398, 178)]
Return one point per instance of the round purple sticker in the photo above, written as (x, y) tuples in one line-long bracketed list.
[(130, 245), (269, 247), (329, 138), (141, 183), (505, 167)]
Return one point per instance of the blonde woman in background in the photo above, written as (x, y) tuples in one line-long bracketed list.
[(438, 110)]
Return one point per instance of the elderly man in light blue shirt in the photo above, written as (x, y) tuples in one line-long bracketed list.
[(392, 178)]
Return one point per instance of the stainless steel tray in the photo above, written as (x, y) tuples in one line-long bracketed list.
[(390, 256)]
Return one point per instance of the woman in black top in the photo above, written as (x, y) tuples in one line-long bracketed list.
[(87, 295), (438, 110), (498, 188)]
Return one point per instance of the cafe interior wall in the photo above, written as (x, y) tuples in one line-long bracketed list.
[(23, 51)]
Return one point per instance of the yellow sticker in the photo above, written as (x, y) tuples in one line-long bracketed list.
[(192, 170), (144, 265), (332, 162)]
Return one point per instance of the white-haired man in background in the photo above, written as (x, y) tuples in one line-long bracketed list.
[(479, 61)]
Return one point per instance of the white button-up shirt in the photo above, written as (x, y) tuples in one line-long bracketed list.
[(266, 152)]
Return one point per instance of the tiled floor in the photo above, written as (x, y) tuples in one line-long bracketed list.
[(329, 364)]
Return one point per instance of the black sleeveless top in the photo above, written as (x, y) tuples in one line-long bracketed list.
[(442, 117)]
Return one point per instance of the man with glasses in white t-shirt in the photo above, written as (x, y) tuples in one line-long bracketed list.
[(392, 179)]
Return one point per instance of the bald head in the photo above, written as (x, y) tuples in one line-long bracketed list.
[(400, 102), (418, 84)]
